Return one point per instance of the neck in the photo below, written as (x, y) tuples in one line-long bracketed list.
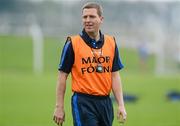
[(94, 35)]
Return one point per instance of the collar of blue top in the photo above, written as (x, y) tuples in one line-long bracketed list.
[(92, 42)]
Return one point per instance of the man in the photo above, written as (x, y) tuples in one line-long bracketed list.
[(93, 60)]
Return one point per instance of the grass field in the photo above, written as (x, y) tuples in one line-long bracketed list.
[(28, 100)]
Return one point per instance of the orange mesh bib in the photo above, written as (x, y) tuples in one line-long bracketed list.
[(85, 79)]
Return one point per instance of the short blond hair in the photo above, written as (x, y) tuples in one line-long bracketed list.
[(93, 5)]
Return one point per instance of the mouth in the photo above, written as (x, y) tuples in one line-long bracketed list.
[(89, 26)]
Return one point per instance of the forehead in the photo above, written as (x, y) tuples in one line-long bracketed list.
[(90, 11)]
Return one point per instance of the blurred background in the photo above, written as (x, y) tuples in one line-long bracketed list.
[(33, 33)]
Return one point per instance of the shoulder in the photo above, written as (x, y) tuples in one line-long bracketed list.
[(73, 37), (75, 41), (106, 36), (110, 40)]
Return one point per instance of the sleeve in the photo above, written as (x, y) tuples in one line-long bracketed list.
[(117, 64), (67, 57)]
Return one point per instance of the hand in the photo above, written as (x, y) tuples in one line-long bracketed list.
[(121, 115), (59, 116)]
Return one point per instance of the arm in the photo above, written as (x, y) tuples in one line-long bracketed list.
[(66, 63), (59, 114), (118, 93)]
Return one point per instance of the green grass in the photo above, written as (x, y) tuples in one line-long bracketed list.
[(28, 100)]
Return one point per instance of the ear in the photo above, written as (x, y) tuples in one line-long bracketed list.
[(102, 19)]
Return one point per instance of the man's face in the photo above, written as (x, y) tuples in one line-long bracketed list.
[(91, 20)]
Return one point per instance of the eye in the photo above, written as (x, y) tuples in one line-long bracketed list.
[(92, 16), (84, 17)]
